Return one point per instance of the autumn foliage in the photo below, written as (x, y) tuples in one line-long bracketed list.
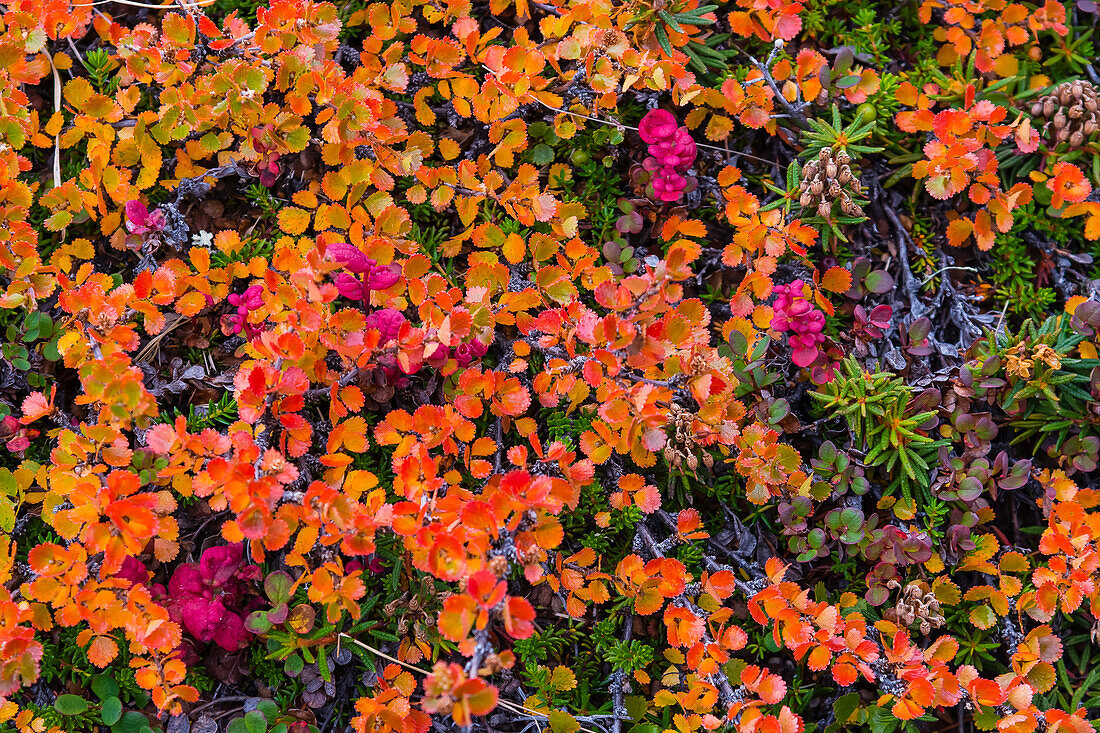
[(415, 363)]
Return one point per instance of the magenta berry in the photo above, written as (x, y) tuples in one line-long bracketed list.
[(657, 125), (387, 321), (793, 311), (244, 303), (371, 275), (672, 152)]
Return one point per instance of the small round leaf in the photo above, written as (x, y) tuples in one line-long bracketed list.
[(879, 282), (112, 711), (70, 705)]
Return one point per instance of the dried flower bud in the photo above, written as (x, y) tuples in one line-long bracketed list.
[(498, 565), (1072, 112)]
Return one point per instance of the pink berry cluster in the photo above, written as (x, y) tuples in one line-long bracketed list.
[(465, 353), (793, 311), (368, 274), (246, 302), (671, 152), (388, 322), (210, 598)]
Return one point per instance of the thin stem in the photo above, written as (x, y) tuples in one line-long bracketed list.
[(219, 701), (507, 704), (794, 112), (928, 279)]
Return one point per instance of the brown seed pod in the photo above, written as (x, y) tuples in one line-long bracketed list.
[(1071, 112), (828, 179)]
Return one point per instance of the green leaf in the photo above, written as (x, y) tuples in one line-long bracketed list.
[(542, 154), (297, 139), (879, 282), (645, 728), (277, 586), (255, 722), (269, 708), (882, 720), (112, 711), (694, 61), (70, 705), (670, 21), (694, 20), (293, 665), (131, 722), (662, 38), (9, 486), (210, 142), (843, 61), (635, 706)]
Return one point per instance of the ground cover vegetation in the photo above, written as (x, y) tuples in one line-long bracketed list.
[(617, 366)]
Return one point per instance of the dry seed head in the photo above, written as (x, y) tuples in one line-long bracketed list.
[(827, 179), (498, 565), (1071, 111)]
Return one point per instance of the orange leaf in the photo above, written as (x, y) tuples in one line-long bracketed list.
[(514, 248), (457, 617), (519, 617), (1069, 185), (102, 651), (36, 405), (836, 280)]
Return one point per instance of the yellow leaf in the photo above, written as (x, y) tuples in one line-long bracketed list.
[(562, 679), (449, 149), (946, 592), (293, 220), (1072, 303), (305, 199), (514, 248)]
